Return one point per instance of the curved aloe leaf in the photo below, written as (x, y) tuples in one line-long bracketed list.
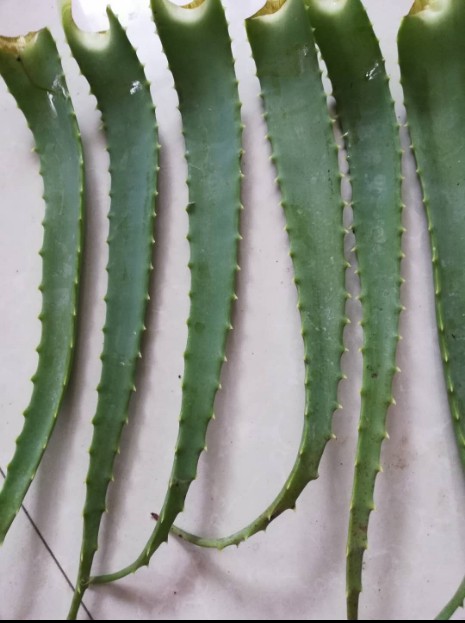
[(432, 62), (32, 70), (367, 117), (117, 79)]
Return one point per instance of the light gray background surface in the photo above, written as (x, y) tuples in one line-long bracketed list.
[(296, 571)]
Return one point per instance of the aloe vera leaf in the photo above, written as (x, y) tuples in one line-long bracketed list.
[(454, 604), (198, 47), (305, 155), (431, 56), (31, 68), (367, 117), (117, 79)]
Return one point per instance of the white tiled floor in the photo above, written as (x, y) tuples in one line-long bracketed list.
[(296, 570)]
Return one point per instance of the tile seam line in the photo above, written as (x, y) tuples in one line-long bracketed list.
[(49, 550)]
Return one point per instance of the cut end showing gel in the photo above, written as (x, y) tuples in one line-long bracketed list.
[(17, 45), (271, 7), (90, 40), (429, 8), (193, 5), (190, 12)]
